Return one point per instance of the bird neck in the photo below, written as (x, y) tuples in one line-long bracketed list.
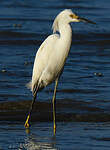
[(65, 33)]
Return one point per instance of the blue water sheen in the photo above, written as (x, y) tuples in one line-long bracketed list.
[(23, 27)]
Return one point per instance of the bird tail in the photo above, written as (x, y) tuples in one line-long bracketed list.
[(29, 85), (34, 88)]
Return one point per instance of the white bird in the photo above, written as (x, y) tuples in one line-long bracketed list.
[(51, 56)]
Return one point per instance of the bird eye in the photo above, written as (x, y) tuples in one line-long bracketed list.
[(73, 16)]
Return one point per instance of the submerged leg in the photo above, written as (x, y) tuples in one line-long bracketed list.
[(26, 125), (54, 106)]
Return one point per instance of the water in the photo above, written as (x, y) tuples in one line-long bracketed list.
[(83, 96), (71, 136)]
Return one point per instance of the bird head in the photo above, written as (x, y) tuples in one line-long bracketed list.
[(66, 17)]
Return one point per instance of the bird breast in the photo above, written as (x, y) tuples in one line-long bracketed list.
[(50, 59), (55, 63)]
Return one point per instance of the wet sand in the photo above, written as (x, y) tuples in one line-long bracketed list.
[(17, 111), (83, 94)]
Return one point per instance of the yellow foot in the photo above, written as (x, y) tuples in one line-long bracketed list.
[(54, 129), (26, 125)]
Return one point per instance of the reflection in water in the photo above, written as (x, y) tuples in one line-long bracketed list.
[(36, 142), (33, 144), (83, 101)]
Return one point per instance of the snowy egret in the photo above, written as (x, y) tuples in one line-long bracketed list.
[(51, 56)]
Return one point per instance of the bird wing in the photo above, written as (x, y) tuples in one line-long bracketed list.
[(42, 58)]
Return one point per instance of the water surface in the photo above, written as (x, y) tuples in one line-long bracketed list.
[(83, 95)]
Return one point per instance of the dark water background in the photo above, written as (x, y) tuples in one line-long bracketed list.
[(84, 88)]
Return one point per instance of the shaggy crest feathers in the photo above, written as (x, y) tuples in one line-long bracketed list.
[(55, 25)]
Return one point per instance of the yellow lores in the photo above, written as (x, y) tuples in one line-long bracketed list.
[(51, 56)]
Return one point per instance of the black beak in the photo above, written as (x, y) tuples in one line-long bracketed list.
[(86, 20)]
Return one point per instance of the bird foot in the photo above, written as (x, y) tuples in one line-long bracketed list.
[(26, 125), (54, 129)]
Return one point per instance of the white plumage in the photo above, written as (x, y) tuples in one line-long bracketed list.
[(51, 56)]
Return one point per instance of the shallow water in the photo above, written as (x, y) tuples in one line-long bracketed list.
[(83, 95), (70, 136)]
